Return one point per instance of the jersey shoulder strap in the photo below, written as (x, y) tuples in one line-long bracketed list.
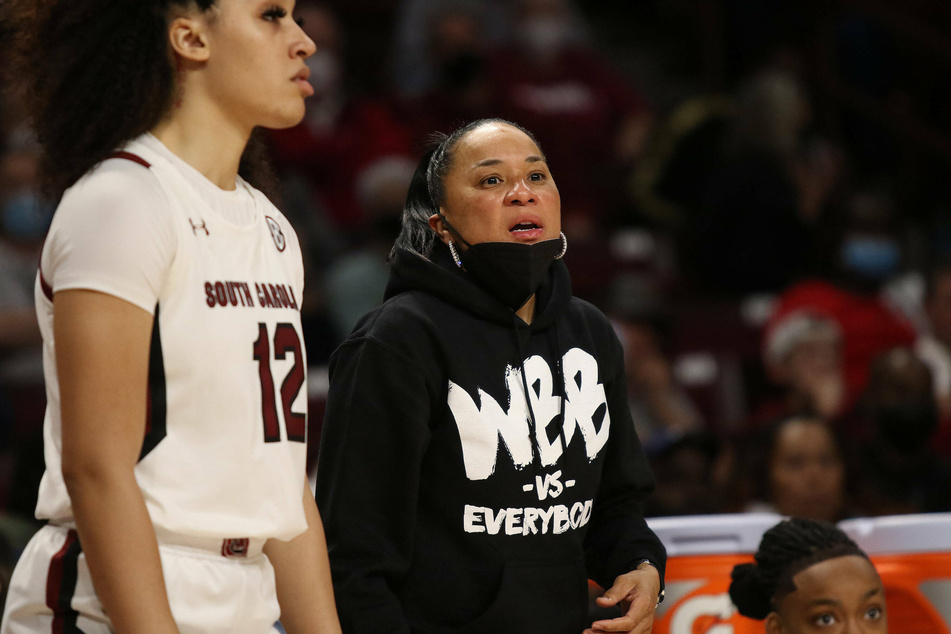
[(129, 156)]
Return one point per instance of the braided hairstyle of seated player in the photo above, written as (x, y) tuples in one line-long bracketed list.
[(809, 576)]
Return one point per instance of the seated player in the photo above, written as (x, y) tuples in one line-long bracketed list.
[(809, 576)]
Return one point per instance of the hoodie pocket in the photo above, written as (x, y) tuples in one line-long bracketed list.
[(548, 597)]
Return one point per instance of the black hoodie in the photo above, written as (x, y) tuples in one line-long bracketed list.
[(446, 508)]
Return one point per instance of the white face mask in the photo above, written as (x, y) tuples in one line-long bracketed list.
[(545, 35)]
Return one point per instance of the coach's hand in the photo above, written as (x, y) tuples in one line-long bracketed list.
[(637, 593)]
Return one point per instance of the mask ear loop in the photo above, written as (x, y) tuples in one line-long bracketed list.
[(564, 246)]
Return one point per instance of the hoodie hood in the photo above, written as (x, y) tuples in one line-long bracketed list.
[(443, 279)]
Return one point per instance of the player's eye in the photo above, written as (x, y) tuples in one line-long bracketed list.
[(274, 13), (824, 620)]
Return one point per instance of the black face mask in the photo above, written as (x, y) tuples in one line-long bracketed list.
[(509, 271)]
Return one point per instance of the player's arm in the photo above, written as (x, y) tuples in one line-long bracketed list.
[(302, 572), (102, 350)]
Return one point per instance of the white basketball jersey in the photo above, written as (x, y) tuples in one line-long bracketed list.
[(224, 453)]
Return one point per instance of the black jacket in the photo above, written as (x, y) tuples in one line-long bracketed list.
[(445, 508)]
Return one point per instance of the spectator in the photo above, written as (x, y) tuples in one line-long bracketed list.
[(802, 355), (689, 473), (899, 471), (797, 468), (865, 254), (661, 409), (23, 223), (24, 219), (457, 53), (421, 44), (755, 214), (356, 281)]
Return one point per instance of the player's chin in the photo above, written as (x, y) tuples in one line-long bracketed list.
[(286, 117)]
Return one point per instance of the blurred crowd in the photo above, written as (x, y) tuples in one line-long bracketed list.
[(757, 193)]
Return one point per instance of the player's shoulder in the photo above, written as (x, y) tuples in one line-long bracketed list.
[(119, 197), (117, 182)]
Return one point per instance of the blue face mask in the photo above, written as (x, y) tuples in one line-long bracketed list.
[(873, 258), (24, 218)]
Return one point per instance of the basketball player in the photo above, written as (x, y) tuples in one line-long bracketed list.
[(168, 298), (810, 577)]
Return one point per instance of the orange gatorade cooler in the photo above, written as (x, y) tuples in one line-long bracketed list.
[(912, 554)]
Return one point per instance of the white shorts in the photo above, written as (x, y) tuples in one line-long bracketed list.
[(209, 590)]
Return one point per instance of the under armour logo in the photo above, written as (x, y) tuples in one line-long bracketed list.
[(196, 228), (276, 233)]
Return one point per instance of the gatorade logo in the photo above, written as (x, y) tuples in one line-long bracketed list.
[(708, 610)]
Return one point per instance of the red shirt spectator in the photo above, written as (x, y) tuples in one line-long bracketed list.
[(868, 326)]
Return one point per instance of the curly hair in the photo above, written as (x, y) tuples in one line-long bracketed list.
[(786, 549), (427, 190), (95, 74)]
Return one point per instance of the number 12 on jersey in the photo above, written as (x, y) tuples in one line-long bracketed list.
[(285, 340)]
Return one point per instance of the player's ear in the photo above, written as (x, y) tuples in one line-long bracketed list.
[(773, 625), (188, 38)]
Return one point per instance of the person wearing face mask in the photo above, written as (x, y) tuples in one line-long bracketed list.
[(478, 462), (24, 219), (864, 256)]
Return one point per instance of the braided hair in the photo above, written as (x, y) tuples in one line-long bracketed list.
[(427, 191), (785, 550), (94, 73)]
